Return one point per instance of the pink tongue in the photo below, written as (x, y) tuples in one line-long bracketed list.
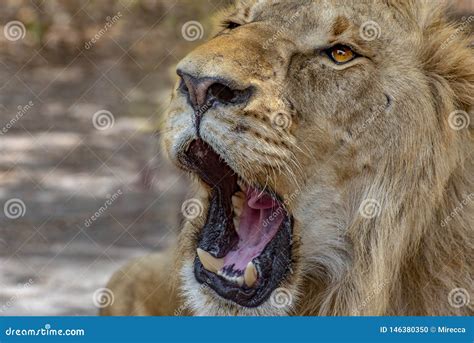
[(261, 217)]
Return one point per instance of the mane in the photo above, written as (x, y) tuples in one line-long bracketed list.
[(411, 254)]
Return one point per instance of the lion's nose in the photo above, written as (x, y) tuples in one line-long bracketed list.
[(204, 92)]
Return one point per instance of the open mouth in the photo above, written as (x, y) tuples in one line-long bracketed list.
[(244, 248)]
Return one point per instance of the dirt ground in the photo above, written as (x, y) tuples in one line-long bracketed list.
[(60, 169)]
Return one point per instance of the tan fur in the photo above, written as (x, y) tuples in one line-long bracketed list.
[(375, 129)]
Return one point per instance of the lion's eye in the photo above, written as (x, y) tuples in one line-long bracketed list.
[(341, 54), (230, 25)]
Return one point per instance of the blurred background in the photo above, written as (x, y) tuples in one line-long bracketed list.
[(83, 187)]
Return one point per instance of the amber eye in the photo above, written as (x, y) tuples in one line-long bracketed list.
[(341, 54)]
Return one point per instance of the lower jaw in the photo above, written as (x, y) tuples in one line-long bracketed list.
[(274, 265)]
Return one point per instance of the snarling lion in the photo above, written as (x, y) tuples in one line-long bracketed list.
[(331, 143)]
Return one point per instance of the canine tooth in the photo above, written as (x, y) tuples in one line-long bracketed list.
[(240, 281), (210, 262), (237, 211), (236, 224), (242, 185), (250, 274), (238, 203)]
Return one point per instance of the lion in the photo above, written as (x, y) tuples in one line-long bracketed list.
[(331, 145)]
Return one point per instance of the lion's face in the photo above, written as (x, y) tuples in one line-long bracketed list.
[(283, 116)]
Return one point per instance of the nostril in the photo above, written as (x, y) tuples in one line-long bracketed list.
[(222, 93), (182, 86)]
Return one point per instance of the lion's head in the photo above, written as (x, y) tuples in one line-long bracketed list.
[(328, 139)]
